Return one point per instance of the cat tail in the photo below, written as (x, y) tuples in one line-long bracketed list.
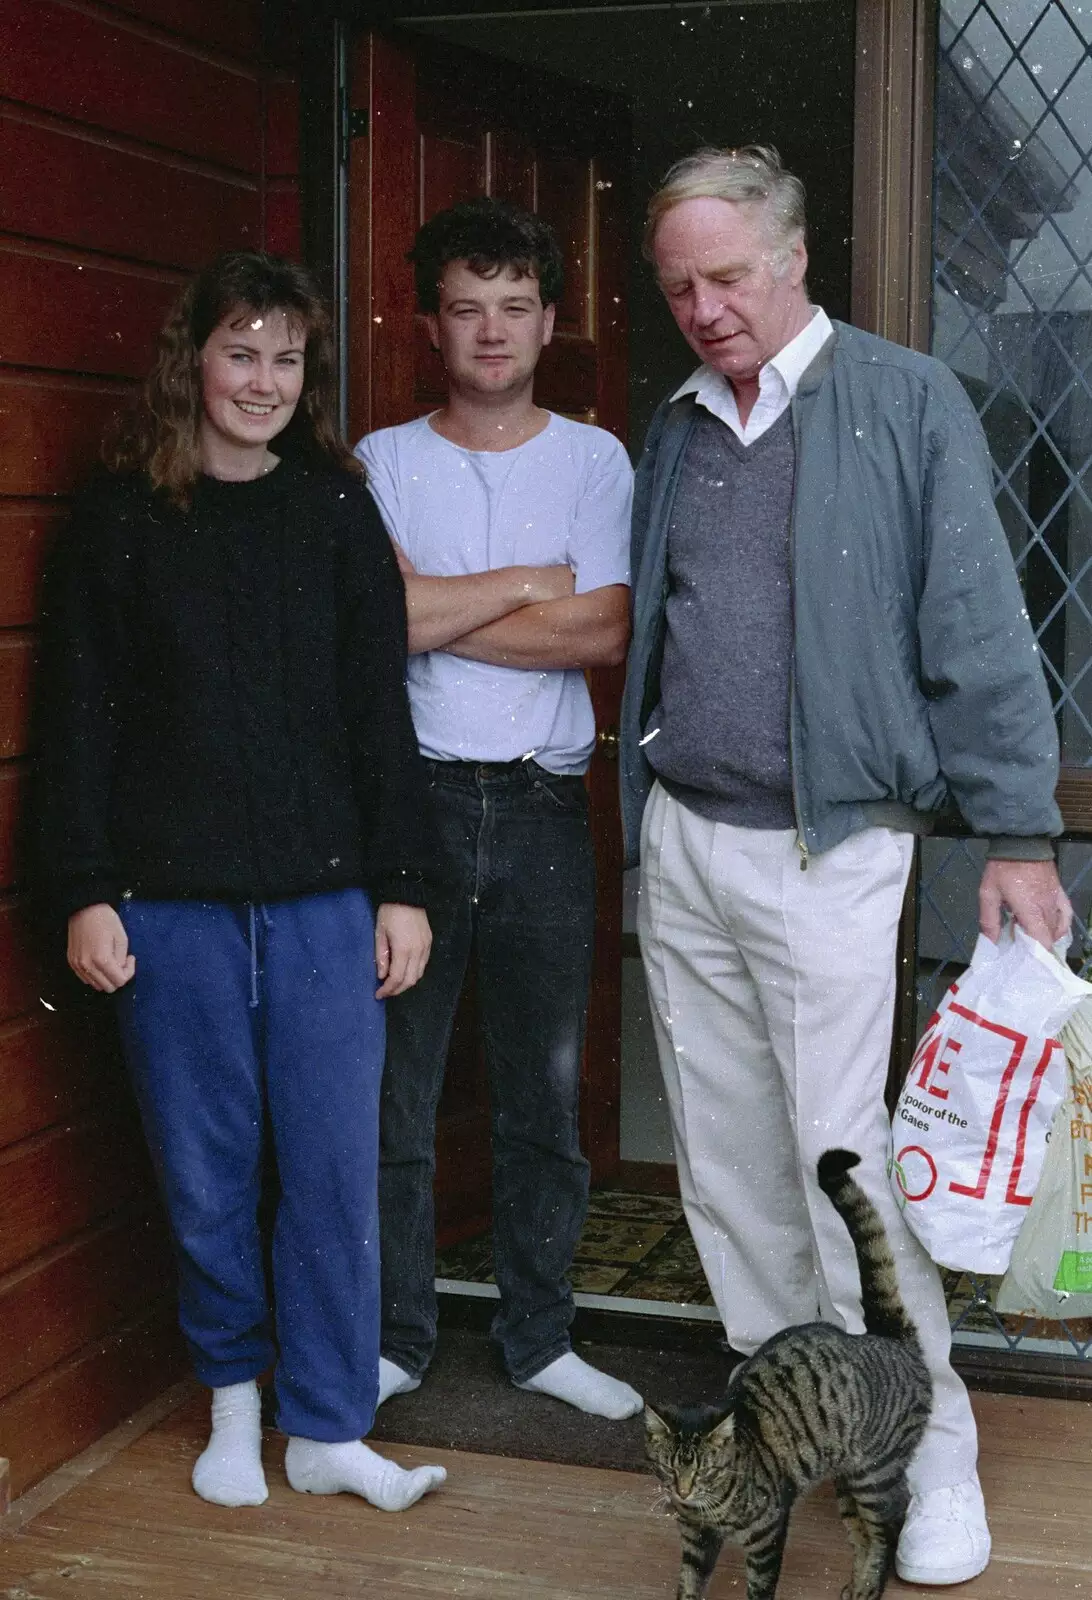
[(884, 1312)]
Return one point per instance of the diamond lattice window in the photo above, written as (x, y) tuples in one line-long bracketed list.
[(1012, 315)]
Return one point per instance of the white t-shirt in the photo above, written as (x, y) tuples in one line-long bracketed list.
[(563, 497)]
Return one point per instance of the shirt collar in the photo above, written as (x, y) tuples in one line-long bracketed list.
[(789, 364)]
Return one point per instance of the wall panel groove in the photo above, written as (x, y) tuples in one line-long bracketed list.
[(20, 963), (27, 529), (26, 116), (55, 184), (78, 1291), (14, 787), (116, 83), (109, 322), (57, 1183), (234, 28), (51, 430), (112, 16), (51, 250), (59, 1414), (54, 1066), (17, 649)]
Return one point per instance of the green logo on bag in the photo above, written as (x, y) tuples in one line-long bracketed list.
[(895, 1167), (1075, 1272)]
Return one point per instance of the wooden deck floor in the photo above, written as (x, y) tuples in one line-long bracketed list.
[(507, 1529)]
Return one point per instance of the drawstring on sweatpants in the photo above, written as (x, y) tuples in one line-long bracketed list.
[(253, 957)]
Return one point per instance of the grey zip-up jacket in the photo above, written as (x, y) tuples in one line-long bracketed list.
[(916, 678)]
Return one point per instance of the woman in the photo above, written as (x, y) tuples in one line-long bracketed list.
[(230, 784)]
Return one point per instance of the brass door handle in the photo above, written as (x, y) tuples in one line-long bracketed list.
[(607, 740)]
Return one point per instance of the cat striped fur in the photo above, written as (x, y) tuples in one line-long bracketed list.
[(813, 1403)]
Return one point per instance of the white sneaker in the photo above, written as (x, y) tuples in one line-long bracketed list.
[(945, 1538)]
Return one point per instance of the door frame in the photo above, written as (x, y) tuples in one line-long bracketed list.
[(893, 169), (890, 256), (891, 280)]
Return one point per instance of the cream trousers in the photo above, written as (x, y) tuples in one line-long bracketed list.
[(772, 994)]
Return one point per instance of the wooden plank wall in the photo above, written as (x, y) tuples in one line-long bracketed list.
[(136, 140)]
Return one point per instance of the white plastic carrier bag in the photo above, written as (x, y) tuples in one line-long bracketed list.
[(969, 1132), (1050, 1273)]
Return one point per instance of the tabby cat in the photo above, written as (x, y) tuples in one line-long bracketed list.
[(814, 1402)]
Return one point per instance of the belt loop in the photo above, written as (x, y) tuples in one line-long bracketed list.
[(253, 958)]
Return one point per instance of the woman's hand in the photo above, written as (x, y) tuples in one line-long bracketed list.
[(98, 948), (403, 940)]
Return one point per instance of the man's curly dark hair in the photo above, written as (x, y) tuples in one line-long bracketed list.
[(488, 235)]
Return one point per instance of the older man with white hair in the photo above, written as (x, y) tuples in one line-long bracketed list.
[(829, 646)]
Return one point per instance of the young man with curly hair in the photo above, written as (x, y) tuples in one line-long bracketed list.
[(511, 525)]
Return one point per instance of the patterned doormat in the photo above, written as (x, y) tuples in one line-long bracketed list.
[(638, 1247), (634, 1247)]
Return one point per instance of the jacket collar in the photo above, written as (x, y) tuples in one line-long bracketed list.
[(817, 369)]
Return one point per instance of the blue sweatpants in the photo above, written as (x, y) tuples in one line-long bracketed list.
[(235, 1009)]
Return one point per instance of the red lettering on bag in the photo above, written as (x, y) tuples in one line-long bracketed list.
[(929, 1044), (925, 1057), (1019, 1045), (1022, 1128), (935, 1062)]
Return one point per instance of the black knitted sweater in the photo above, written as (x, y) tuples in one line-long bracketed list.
[(223, 712)]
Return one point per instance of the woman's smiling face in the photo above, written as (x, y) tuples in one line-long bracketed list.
[(251, 379)]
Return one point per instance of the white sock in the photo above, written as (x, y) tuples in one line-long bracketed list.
[(229, 1470), (351, 1468), (572, 1380), (393, 1380)]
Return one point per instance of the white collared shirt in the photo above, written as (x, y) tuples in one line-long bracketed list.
[(777, 382)]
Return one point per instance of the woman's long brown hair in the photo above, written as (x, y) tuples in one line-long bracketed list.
[(161, 436)]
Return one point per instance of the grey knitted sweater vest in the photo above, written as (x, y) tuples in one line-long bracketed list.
[(723, 743)]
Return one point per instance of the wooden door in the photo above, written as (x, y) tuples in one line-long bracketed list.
[(433, 125)]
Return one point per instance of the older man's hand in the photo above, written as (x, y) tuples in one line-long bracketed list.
[(1032, 892)]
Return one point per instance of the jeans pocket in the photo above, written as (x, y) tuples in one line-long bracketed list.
[(567, 795)]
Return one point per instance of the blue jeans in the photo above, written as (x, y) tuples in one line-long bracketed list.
[(237, 1011), (519, 904)]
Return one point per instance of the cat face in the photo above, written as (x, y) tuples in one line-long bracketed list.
[(692, 1452)]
